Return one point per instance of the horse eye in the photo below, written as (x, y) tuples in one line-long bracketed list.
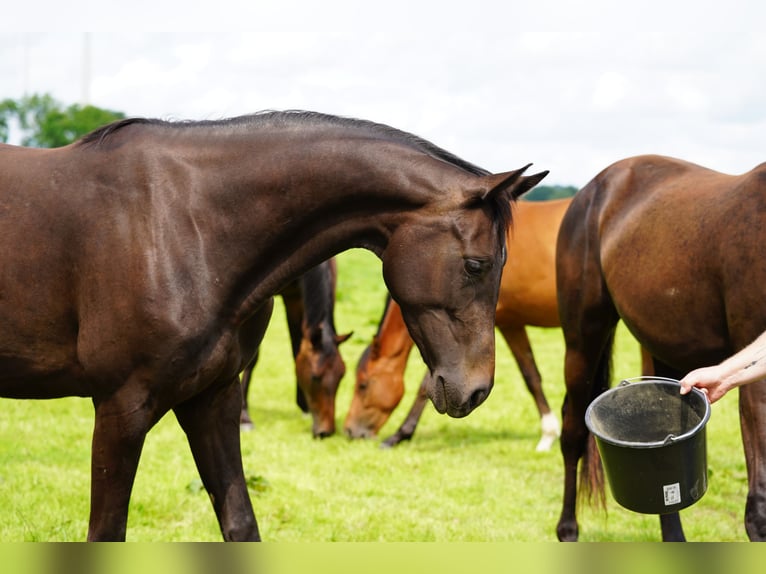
[(474, 267)]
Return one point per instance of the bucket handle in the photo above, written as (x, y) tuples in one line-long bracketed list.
[(631, 380), (669, 439)]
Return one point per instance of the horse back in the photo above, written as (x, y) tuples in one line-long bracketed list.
[(670, 247)]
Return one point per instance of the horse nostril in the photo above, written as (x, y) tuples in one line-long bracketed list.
[(324, 434), (477, 397)]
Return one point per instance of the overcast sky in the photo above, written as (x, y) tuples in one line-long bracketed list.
[(569, 86)]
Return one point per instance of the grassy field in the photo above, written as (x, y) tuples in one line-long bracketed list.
[(472, 479)]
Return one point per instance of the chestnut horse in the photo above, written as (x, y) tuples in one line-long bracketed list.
[(527, 297), (310, 309), (672, 249), (143, 260)]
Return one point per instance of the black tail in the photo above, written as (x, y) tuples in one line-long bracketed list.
[(592, 486)]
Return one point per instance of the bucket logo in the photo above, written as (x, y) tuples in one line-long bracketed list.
[(672, 493)]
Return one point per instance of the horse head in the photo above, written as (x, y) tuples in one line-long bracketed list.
[(319, 369), (378, 389), (444, 270)]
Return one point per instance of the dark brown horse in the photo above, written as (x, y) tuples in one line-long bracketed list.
[(319, 367), (674, 250), (527, 297), (141, 262)]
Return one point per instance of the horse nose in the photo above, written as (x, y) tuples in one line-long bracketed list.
[(357, 431), (323, 433), (448, 399)]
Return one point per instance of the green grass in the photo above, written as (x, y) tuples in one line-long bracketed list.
[(472, 479)]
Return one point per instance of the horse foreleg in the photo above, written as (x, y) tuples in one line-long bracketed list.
[(518, 343), (118, 438), (752, 412), (407, 430), (211, 423)]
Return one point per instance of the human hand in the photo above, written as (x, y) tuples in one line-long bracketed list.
[(707, 380)]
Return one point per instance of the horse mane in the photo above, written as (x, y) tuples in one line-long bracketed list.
[(500, 206), (101, 136)]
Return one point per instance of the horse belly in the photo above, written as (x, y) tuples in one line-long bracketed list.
[(27, 378)]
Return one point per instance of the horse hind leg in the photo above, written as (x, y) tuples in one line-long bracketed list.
[(752, 412), (587, 372), (211, 423), (518, 343)]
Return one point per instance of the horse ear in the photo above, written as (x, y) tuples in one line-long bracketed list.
[(512, 184), (342, 338)]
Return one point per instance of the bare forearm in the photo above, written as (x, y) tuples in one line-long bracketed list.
[(745, 366)]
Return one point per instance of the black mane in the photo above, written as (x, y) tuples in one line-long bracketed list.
[(103, 135)]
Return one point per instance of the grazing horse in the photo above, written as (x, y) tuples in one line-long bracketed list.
[(310, 308), (155, 249), (672, 249)]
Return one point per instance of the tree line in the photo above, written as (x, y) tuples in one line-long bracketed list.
[(547, 192), (44, 122)]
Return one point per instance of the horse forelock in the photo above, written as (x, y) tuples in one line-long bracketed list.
[(502, 208)]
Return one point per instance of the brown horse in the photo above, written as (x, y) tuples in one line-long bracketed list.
[(319, 367), (527, 297), (673, 250), (142, 261)]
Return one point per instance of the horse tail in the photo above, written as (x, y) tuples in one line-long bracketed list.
[(592, 483)]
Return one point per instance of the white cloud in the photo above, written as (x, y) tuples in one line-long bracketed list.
[(610, 90), (568, 86)]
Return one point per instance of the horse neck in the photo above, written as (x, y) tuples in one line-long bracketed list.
[(283, 203)]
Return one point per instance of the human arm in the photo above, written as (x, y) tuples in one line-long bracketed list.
[(746, 366)]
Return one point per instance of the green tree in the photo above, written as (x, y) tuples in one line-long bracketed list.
[(546, 192), (44, 122)]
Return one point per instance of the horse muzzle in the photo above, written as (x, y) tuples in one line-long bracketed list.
[(455, 399)]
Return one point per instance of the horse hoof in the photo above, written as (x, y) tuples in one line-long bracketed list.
[(567, 533), (545, 444)]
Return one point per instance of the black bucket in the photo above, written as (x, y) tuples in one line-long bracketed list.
[(652, 443)]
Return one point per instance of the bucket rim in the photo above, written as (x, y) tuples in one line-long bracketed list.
[(671, 438)]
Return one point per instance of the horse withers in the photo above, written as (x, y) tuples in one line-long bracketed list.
[(672, 249), (156, 248)]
